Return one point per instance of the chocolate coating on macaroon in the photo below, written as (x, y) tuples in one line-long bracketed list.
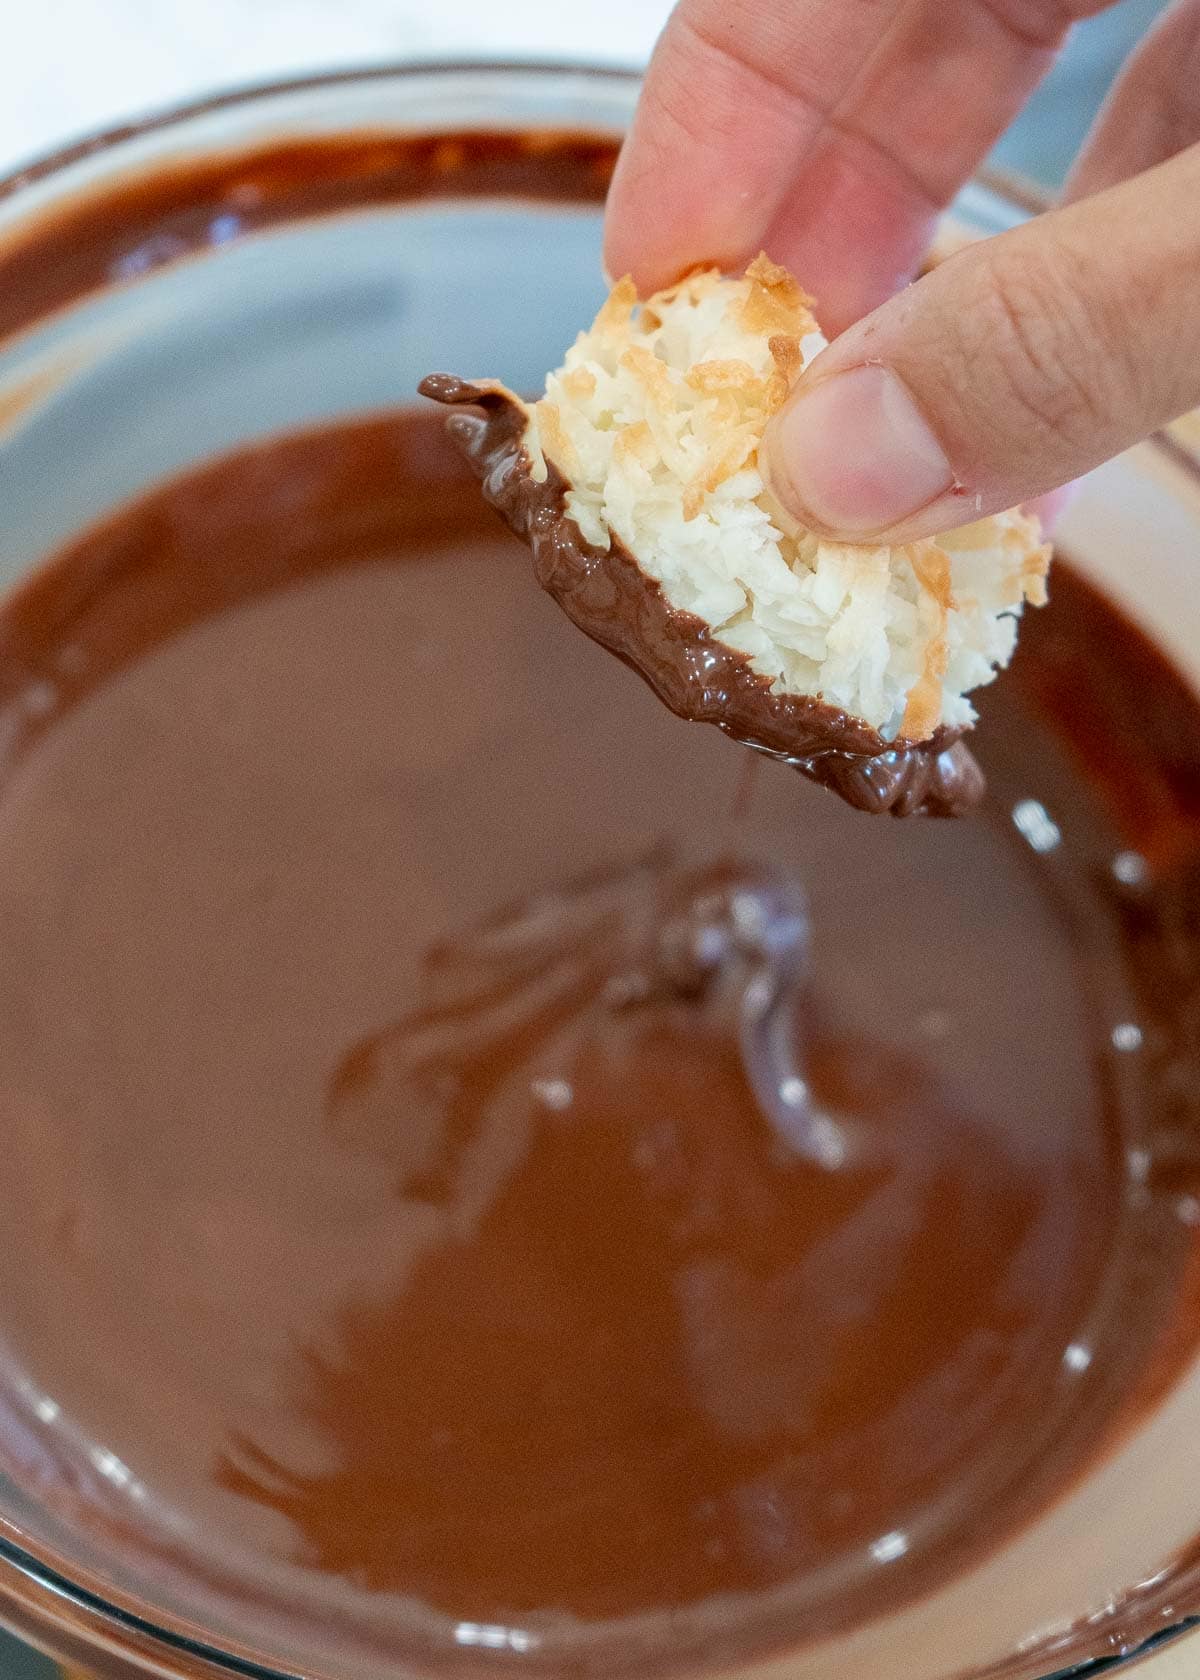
[(608, 596)]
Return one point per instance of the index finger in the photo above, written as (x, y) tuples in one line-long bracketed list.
[(828, 132)]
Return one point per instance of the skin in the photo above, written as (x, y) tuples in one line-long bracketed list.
[(831, 133)]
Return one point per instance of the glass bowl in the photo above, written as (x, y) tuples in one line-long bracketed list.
[(231, 319)]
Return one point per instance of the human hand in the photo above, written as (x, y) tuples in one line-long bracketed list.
[(831, 132)]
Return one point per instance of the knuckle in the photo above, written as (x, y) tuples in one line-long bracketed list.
[(683, 68), (1050, 339), (681, 116)]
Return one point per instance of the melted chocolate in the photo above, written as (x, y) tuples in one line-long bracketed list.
[(448, 1217), (413, 1187), (606, 593), (154, 217)]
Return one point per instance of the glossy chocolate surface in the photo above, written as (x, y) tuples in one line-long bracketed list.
[(410, 1073)]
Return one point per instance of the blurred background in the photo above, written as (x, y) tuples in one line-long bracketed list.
[(71, 66), (67, 66)]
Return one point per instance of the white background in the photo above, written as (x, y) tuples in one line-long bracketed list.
[(69, 66)]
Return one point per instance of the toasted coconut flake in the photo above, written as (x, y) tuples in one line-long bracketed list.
[(710, 377), (922, 711), (932, 567), (651, 375), (579, 384), (616, 311), (774, 302), (789, 364), (1034, 567), (635, 443), (556, 440)]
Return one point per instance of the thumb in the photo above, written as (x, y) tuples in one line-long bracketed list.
[(1014, 367)]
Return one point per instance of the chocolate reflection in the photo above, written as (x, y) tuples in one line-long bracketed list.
[(652, 1349)]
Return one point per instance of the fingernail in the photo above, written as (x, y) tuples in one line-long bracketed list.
[(853, 454)]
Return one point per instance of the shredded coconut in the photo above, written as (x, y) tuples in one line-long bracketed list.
[(655, 419)]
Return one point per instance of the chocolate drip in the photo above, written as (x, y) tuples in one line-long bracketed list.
[(606, 593)]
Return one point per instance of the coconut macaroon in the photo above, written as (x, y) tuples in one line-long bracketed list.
[(636, 481)]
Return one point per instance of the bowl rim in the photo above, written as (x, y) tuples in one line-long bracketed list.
[(95, 1623), (43, 165)]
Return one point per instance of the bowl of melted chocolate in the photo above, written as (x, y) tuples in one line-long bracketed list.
[(496, 1179)]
